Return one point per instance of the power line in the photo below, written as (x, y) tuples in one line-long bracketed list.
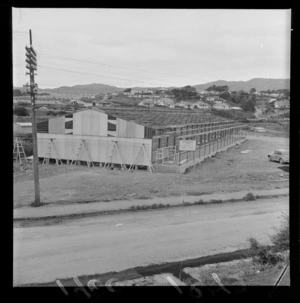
[(86, 73), (92, 74), (116, 66)]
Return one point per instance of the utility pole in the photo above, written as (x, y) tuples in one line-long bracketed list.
[(32, 66)]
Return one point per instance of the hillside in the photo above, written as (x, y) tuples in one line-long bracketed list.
[(95, 88), (257, 83), (88, 89)]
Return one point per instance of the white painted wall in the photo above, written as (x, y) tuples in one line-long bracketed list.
[(99, 148), (90, 123)]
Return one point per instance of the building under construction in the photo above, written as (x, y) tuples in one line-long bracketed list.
[(131, 138)]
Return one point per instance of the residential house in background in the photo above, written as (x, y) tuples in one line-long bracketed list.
[(282, 104), (236, 108), (181, 104), (219, 100), (147, 103), (127, 92), (201, 105), (22, 128), (221, 106), (165, 102)]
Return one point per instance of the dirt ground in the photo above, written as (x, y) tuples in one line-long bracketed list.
[(228, 171)]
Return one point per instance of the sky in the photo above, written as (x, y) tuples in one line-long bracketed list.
[(151, 47)]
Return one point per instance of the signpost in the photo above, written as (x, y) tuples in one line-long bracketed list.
[(187, 145)]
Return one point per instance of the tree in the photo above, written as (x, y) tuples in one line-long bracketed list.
[(20, 111), (223, 88), (98, 97), (248, 106), (252, 90), (17, 92), (225, 95), (185, 93)]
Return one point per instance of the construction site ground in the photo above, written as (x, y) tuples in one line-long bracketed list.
[(227, 173), (78, 190)]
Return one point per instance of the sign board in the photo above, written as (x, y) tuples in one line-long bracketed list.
[(188, 145)]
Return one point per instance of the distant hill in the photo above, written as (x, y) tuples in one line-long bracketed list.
[(257, 83), (97, 88), (88, 89)]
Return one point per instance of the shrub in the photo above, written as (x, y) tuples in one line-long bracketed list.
[(28, 149), (61, 113), (249, 197), (51, 113), (144, 197), (20, 111), (261, 254), (215, 201), (282, 238)]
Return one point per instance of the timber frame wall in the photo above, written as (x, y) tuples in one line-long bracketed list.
[(203, 132)]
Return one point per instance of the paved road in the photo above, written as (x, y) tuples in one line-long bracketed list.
[(99, 245)]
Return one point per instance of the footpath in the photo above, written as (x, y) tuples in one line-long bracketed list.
[(92, 208)]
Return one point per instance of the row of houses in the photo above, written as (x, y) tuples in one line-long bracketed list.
[(167, 102), (151, 93)]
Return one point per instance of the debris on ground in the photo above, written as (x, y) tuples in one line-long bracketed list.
[(246, 151)]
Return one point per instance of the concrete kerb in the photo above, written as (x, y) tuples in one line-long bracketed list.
[(181, 201)]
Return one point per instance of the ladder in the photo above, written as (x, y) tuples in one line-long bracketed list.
[(18, 151), (79, 149), (110, 156), (48, 153)]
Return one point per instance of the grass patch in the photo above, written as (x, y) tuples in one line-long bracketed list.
[(233, 200), (153, 191), (249, 197), (200, 202), (144, 197), (196, 193), (215, 201), (152, 206), (33, 204), (174, 194)]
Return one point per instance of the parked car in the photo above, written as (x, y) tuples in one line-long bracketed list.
[(280, 155)]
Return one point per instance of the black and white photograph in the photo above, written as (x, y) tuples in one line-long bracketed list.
[(151, 147)]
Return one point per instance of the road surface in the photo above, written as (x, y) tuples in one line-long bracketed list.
[(117, 242)]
